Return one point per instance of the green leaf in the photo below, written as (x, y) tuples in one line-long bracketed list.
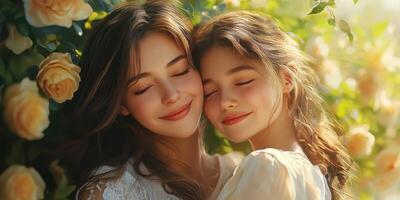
[(49, 42), (3, 28), (332, 21), (16, 156), (64, 192), (23, 27), (19, 65), (318, 7), (5, 74), (78, 30), (355, 1), (18, 15), (345, 27), (350, 36)]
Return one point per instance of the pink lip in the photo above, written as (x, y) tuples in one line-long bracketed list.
[(178, 113), (236, 118)]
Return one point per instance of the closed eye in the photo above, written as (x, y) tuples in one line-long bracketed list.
[(182, 73), (209, 94), (245, 82), (141, 91)]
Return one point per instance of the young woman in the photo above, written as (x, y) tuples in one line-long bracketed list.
[(258, 87), (138, 108)]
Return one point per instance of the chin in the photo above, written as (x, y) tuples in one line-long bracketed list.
[(236, 138), (184, 133)]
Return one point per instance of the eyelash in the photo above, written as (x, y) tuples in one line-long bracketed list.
[(139, 92), (182, 73), (209, 94), (145, 89), (245, 82), (240, 83)]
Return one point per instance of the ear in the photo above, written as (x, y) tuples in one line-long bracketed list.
[(287, 82), (124, 111)]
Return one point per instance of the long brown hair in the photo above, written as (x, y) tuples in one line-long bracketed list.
[(258, 37), (105, 136)]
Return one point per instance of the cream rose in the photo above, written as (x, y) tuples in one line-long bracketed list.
[(19, 182), (359, 141), (368, 83), (16, 42), (388, 168), (58, 77), (317, 48), (26, 112), (42, 13)]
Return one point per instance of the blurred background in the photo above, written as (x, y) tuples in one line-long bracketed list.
[(354, 44)]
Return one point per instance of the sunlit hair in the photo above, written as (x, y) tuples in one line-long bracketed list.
[(258, 37), (105, 136)]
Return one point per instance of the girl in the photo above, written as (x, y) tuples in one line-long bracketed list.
[(258, 87), (138, 108)]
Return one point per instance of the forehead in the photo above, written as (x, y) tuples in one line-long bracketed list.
[(220, 59), (156, 50)]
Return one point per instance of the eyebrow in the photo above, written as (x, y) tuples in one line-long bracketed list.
[(233, 71), (146, 74)]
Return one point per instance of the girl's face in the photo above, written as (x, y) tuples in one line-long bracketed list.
[(166, 96), (240, 99)]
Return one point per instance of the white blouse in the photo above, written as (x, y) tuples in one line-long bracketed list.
[(131, 186), (276, 174)]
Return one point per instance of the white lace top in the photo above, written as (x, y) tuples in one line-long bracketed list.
[(131, 186), (276, 174)]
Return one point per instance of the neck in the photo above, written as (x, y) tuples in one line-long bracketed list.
[(181, 154), (280, 134), (185, 156)]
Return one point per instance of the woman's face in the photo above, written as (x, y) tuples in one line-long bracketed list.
[(239, 98), (166, 96)]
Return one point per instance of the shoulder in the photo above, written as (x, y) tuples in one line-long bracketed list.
[(273, 161), (108, 185), (275, 156), (289, 167), (230, 160)]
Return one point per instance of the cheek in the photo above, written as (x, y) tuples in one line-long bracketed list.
[(211, 109), (143, 109), (191, 84), (259, 96)]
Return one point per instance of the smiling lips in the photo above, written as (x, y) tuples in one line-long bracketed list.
[(178, 113), (236, 118)]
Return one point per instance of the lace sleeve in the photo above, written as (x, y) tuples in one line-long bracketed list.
[(91, 191), (124, 187)]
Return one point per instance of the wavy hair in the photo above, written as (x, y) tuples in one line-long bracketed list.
[(105, 136), (258, 37)]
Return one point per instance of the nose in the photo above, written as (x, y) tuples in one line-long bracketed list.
[(228, 101), (171, 94)]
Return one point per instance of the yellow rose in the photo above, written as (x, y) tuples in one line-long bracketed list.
[(42, 13), (368, 83), (16, 42), (26, 112), (20, 183), (58, 77), (387, 167), (359, 141)]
